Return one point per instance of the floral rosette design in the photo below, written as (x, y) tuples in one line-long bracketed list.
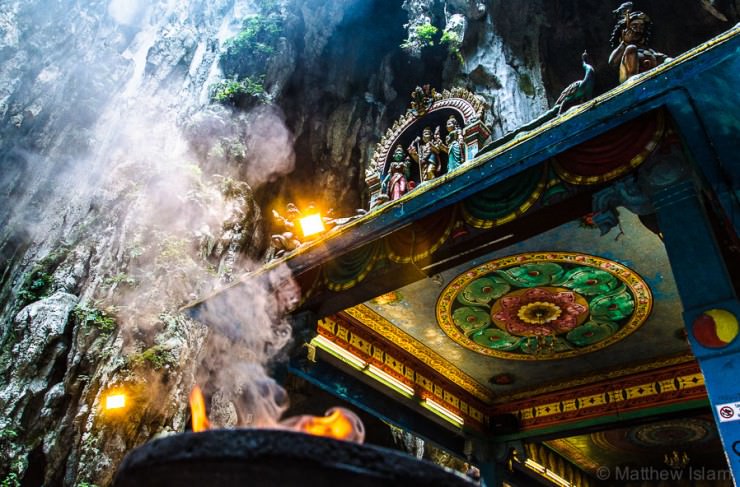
[(539, 311), (543, 305)]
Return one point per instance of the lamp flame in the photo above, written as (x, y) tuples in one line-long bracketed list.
[(338, 423), (312, 225), (198, 410)]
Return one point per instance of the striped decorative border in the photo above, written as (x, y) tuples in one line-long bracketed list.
[(525, 207), (657, 388), (615, 374), (426, 382), (667, 381), (620, 171), (373, 321)]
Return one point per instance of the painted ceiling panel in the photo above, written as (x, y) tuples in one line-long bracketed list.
[(650, 444), (413, 309)]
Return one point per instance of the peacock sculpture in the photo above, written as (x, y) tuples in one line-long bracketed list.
[(579, 91), (574, 94)]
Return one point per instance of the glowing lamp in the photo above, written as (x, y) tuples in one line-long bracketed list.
[(312, 225), (115, 401), (443, 412)]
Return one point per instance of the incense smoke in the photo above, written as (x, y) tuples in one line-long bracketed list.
[(147, 209), (248, 333)]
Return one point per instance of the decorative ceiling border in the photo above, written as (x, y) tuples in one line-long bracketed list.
[(635, 161), (663, 387), (373, 321), (425, 382), (600, 376), (659, 383)]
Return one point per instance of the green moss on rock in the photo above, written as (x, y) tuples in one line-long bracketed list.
[(236, 91), (101, 320), (156, 357), (526, 85), (248, 52), (38, 283)]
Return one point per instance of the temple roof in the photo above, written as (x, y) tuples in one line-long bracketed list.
[(688, 85), (400, 285)]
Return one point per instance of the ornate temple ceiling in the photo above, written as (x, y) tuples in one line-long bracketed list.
[(610, 300), (646, 445)]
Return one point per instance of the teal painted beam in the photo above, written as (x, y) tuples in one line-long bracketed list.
[(603, 422), (719, 168), (647, 92), (704, 284)]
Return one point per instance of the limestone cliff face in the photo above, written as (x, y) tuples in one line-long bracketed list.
[(126, 190)]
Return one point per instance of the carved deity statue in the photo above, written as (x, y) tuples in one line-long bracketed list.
[(291, 234), (287, 239), (425, 151), (630, 40), (396, 183), (421, 100), (454, 145)]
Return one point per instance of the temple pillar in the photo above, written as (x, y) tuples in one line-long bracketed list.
[(707, 294), (475, 135), (492, 474)]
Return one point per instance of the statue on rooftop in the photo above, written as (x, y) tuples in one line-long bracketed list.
[(396, 183), (287, 240), (425, 151), (574, 94), (454, 144), (709, 6), (421, 100), (291, 235), (630, 40), (579, 91)]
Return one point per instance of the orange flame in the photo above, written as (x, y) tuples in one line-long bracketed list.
[(198, 410), (338, 423)]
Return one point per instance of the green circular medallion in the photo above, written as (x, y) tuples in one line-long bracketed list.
[(543, 305)]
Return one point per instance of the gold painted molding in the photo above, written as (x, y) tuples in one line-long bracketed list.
[(600, 376), (406, 342), (661, 388)]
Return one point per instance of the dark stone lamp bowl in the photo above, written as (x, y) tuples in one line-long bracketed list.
[(275, 458)]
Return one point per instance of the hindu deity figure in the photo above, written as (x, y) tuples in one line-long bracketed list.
[(454, 145), (425, 151), (630, 40), (286, 240), (396, 182), (421, 100)]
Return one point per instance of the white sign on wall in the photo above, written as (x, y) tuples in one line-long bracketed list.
[(728, 412)]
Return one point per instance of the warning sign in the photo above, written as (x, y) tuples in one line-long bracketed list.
[(728, 412)]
